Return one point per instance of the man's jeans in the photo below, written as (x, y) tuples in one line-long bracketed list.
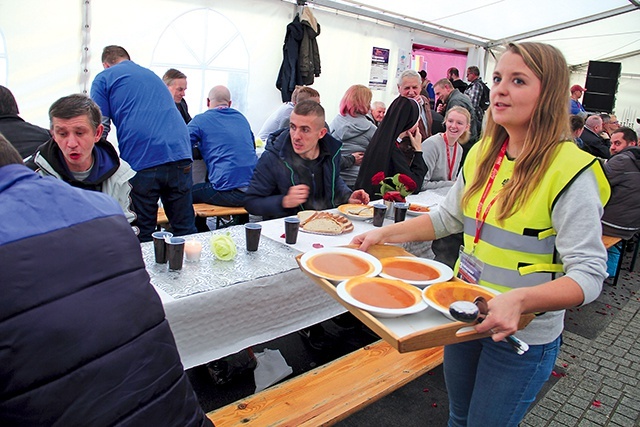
[(170, 183), (205, 193), (490, 385)]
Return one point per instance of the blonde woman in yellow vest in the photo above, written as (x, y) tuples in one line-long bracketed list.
[(529, 204)]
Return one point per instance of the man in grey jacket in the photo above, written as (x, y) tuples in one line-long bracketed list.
[(80, 156)]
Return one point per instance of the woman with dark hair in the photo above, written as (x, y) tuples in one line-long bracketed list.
[(396, 147), (529, 203)]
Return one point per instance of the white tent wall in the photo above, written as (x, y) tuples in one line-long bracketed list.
[(45, 60), (44, 49)]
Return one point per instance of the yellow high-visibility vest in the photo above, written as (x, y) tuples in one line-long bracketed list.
[(520, 251)]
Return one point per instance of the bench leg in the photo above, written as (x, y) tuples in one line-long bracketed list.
[(635, 254), (619, 266)]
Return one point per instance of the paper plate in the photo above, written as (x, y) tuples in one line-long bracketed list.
[(418, 212), (386, 291), (440, 295), (340, 263), (356, 212)]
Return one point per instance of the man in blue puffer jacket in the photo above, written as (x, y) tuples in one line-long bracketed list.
[(300, 169), (83, 336)]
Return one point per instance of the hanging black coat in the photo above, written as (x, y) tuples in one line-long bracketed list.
[(309, 61), (289, 76)]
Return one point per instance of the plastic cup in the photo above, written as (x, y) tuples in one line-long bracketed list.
[(175, 252), (291, 227), (400, 211), (252, 233), (159, 245), (192, 250), (379, 213)]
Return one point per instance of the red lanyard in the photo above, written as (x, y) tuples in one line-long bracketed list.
[(450, 161), (487, 189)]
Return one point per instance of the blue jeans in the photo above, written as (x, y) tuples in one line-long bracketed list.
[(490, 385), (205, 193), (170, 183)]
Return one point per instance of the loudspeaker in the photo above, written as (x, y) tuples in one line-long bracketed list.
[(601, 85)]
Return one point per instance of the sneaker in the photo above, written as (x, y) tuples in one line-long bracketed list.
[(316, 338)]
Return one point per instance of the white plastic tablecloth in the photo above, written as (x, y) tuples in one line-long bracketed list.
[(212, 324)]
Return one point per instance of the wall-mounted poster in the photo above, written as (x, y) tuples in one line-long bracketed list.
[(379, 68), (404, 62)]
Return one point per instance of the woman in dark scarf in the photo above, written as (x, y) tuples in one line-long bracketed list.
[(395, 147)]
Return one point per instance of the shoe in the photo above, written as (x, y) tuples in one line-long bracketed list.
[(316, 338), (222, 371), (346, 321)]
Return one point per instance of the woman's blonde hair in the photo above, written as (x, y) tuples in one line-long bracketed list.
[(548, 127), (466, 134)]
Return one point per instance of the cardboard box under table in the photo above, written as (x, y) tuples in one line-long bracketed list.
[(425, 329)]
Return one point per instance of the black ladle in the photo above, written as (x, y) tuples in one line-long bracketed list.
[(470, 312)]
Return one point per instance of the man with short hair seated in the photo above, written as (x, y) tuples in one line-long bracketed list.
[(228, 149), (300, 170), (621, 217), (79, 155)]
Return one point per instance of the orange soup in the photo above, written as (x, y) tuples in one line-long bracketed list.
[(407, 269), (449, 292), (380, 294), (339, 265)]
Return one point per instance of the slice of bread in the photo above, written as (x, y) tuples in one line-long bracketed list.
[(305, 216), (324, 225)]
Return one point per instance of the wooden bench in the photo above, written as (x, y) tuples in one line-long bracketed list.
[(205, 210), (330, 392)]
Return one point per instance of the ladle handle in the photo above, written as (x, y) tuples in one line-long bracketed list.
[(518, 345)]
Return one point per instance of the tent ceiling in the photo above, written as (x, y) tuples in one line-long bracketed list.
[(583, 29)]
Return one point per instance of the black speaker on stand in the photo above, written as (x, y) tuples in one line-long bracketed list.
[(602, 85)]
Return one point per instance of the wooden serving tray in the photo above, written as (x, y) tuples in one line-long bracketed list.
[(426, 329)]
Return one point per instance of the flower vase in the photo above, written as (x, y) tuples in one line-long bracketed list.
[(389, 205)]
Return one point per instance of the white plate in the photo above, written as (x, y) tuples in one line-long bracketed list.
[(445, 311), (414, 213), (345, 210), (419, 306), (335, 275), (445, 272)]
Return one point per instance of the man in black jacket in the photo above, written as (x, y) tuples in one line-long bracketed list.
[(83, 336), (593, 143), (621, 217)]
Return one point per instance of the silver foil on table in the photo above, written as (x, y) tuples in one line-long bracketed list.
[(210, 273)]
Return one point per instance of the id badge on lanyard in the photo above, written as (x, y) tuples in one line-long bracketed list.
[(470, 268)]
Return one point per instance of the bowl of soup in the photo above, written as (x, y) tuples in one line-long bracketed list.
[(382, 297), (339, 264), (440, 295), (414, 270)]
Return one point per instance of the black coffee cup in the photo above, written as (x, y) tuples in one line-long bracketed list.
[(159, 245), (291, 227), (252, 234), (175, 252), (379, 213), (400, 211)]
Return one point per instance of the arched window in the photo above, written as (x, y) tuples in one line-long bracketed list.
[(209, 49), (4, 61)]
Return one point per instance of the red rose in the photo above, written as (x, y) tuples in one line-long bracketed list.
[(409, 183), (393, 196), (377, 178)]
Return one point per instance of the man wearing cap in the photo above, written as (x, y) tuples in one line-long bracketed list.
[(575, 106)]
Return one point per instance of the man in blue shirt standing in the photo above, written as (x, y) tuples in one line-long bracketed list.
[(227, 146), (575, 106), (152, 137)]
